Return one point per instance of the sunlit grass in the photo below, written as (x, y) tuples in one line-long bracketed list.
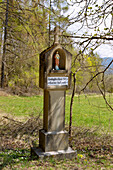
[(21, 106), (91, 111), (88, 111)]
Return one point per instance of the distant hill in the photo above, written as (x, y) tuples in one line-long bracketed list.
[(105, 62)]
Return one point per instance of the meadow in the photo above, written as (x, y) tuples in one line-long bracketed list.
[(90, 115), (88, 110)]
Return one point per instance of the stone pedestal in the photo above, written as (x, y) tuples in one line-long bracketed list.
[(53, 141), (54, 111), (60, 154), (54, 79), (53, 137)]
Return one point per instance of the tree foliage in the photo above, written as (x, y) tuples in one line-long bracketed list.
[(26, 38), (29, 31), (92, 25)]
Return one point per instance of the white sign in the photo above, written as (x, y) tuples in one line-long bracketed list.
[(57, 81)]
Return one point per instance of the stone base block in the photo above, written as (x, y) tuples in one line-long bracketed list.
[(61, 154), (53, 141)]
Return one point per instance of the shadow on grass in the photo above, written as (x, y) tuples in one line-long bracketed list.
[(12, 157)]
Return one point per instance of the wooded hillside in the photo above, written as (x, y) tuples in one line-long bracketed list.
[(26, 30)]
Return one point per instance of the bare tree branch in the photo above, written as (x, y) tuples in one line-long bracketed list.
[(90, 37), (101, 72)]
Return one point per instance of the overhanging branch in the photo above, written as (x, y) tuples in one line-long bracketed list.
[(101, 72), (89, 37)]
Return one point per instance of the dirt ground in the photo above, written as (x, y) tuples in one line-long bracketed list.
[(4, 92)]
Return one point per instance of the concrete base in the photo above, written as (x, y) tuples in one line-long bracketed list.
[(61, 154), (53, 141)]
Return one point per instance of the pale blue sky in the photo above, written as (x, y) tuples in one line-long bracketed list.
[(105, 50)]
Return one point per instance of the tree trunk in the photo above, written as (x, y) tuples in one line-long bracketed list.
[(50, 24), (71, 108), (4, 47)]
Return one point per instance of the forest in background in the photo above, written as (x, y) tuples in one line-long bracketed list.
[(26, 29)]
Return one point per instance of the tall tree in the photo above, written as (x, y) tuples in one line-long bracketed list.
[(4, 44), (26, 38)]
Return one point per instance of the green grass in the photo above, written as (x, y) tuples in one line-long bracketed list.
[(11, 157), (21, 106), (19, 159), (91, 111), (88, 111)]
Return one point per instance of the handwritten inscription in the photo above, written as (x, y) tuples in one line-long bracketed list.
[(57, 81)]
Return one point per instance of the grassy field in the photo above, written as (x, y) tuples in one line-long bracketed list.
[(91, 111), (94, 150), (21, 106), (88, 111)]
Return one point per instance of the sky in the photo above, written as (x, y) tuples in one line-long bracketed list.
[(105, 50)]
